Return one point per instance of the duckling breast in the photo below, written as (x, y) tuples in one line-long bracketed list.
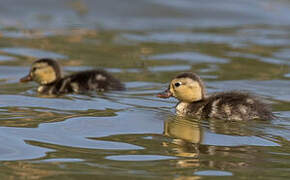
[(182, 108), (48, 89)]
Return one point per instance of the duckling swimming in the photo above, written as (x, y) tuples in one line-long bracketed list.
[(47, 73), (188, 88)]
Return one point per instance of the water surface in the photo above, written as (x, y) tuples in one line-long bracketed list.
[(241, 45)]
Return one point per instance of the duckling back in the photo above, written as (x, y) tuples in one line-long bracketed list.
[(231, 106), (94, 80)]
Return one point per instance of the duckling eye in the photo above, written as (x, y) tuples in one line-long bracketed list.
[(33, 69), (177, 84)]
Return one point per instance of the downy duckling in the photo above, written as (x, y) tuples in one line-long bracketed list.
[(47, 73), (188, 88)]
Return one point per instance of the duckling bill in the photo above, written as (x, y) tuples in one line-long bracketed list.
[(188, 88), (47, 73)]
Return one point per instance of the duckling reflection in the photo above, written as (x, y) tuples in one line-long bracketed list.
[(183, 128), (190, 140), (47, 73), (187, 136)]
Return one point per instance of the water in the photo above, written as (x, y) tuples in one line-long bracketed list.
[(132, 134)]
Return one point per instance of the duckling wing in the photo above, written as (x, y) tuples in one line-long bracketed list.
[(97, 80), (236, 106)]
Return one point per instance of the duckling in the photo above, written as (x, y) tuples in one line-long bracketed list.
[(188, 88), (47, 73)]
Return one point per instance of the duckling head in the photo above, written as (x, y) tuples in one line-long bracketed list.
[(186, 87), (43, 71)]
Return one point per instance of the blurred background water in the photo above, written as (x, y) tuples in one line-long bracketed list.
[(240, 44)]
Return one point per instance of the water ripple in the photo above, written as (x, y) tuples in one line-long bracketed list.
[(226, 140), (60, 104), (139, 157), (6, 58), (22, 51), (213, 173), (193, 57)]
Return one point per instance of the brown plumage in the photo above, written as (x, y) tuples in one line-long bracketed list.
[(47, 73), (188, 88)]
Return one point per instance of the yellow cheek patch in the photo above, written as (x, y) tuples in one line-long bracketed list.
[(44, 74), (188, 91)]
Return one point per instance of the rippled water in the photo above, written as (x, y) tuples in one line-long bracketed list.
[(133, 134)]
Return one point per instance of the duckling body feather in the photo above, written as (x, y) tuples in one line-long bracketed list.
[(233, 105), (94, 80)]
